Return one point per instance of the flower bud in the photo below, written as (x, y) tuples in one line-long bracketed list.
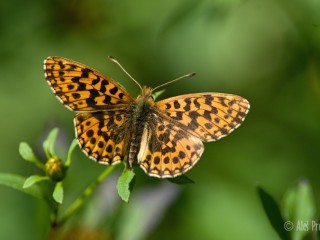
[(55, 169)]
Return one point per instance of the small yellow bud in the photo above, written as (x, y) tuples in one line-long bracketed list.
[(55, 169)]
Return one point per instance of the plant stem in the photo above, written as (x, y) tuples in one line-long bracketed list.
[(54, 224), (77, 204)]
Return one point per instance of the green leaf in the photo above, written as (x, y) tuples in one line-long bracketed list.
[(58, 193), (48, 144), (157, 94), (272, 210), (125, 184), (182, 179), (16, 182), (34, 179), (299, 208), (27, 154), (71, 149)]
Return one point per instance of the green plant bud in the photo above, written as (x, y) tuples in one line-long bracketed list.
[(55, 169)]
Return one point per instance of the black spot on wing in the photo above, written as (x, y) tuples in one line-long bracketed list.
[(176, 104), (76, 95), (85, 72), (90, 133), (113, 90), (104, 83), (107, 99)]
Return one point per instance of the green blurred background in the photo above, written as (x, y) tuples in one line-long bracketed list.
[(266, 51)]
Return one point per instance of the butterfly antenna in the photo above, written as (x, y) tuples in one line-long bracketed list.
[(174, 80), (116, 62)]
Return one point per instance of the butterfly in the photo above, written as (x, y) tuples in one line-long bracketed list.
[(165, 138)]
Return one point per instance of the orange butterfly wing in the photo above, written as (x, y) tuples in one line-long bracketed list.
[(209, 116), (101, 104), (166, 150), (81, 88), (101, 136), (172, 142)]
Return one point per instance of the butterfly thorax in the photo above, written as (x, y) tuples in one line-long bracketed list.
[(141, 111)]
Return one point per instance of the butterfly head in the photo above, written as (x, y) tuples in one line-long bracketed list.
[(146, 96), (146, 92)]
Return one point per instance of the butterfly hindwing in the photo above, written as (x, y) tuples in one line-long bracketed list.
[(81, 88), (209, 116), (166, 150), (101, 136)]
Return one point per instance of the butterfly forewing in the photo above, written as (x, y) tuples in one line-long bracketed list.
[(209, 116), (81, 88)]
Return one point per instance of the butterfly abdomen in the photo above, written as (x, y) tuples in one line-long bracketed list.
[(140, 114)]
